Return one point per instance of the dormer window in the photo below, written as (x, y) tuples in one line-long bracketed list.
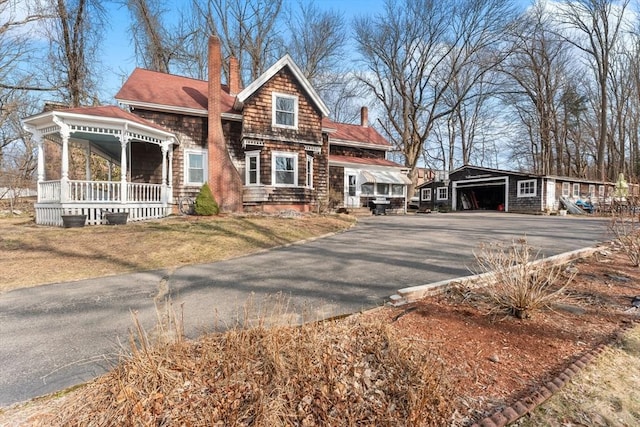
[(285, 111)]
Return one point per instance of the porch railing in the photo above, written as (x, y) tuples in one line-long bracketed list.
[(98, 192)]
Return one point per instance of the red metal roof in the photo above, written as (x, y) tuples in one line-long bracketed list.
[(355, 133), (364, 161), (169, 90)]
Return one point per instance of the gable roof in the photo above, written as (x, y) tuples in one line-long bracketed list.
[(345, 132), (285, 61), (169, 92)]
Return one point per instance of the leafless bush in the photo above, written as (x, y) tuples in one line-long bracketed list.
[(520, 282), (625, 227), (344, 372)]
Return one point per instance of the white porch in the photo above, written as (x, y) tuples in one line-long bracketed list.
[(107, 132)]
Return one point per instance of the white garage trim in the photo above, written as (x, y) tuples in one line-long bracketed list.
[(482, 182)]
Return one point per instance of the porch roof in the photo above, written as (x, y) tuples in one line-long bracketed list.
[(103, 127)]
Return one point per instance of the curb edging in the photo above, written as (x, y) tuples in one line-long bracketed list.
[(540, 395)]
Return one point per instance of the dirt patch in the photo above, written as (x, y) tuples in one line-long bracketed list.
[(486, 362), (495, 361)]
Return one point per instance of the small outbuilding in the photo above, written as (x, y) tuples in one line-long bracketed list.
[(479, 188)]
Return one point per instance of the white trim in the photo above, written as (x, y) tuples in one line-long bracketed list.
[(425, 194), (573, 190), (601, 191), (288, 154), (274, 111), (524, 182), (162, 107), (438, 193), (344, 142), (275, 68), (247, 156), (309, 172), (592, 190), (566, 189), (205, 174)]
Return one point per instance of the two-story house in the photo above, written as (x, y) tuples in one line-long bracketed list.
[(266, 147)]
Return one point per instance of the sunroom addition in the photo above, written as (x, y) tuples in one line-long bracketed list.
[(115, 135)]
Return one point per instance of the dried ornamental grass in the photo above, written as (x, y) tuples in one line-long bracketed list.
[(519, 284), (346, 373)]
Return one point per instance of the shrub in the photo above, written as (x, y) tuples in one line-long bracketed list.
[(520, 282), (625, 227), (205, 204)]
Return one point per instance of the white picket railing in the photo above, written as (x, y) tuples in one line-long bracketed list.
[(95, 198), (49, 191), (98, 191)]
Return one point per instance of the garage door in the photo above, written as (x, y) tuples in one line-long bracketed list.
[(487, 194)]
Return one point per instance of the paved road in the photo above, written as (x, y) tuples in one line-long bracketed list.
[(55, 336)]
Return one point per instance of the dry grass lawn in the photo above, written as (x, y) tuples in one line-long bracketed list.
[(33, 255), (606, 393)]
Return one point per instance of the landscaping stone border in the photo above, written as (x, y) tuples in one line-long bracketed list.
[(413, 293), (543, 393)]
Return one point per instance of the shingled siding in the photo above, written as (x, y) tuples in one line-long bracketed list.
[(257, 125), (258, 117), (191, 132), (336, 179), (530, 204), (340, 150), (147, 166)]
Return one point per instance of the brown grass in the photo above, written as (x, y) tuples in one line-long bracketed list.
[(32, 255), (606, 393), (347, 372)]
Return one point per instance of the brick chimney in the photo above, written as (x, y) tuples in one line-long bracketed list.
[(234, 76), (364, 117), (224, 179)]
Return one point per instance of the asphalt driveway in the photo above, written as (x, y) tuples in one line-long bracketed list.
[(56, 336)]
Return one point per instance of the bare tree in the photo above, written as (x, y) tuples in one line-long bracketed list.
[(151, 41), (74, 36), (248, 30), (414, 51), (537, 70), (599, 28)]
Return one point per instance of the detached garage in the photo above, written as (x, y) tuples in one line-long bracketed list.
[(477, 188)]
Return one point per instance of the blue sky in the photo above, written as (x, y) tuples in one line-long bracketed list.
[(119, 57)]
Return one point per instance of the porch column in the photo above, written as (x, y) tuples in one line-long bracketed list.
[(170, 175), (65, 133), (37, 137), (165, 150), (87, 162), (124, 140)]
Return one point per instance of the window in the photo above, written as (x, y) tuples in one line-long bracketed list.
[(195, 167), (443, 193), (382, 189), (565, 189), (284, 169), (576, 190), (309, 180), (601, 191), (592, 190), (252, 159), (352, 185), (284, 111), (397, 190), (527, 188), (426, 194), (367, 189)]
